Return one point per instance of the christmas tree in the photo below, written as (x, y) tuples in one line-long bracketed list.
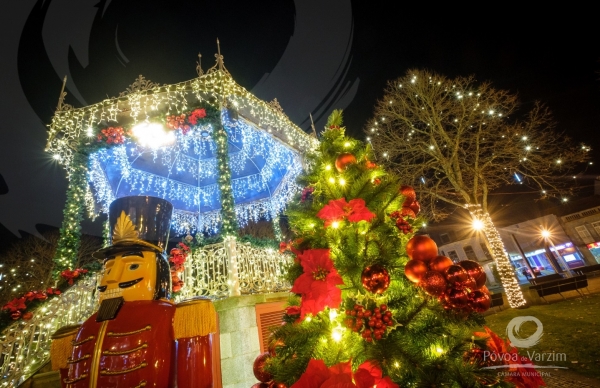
[(360, 316)]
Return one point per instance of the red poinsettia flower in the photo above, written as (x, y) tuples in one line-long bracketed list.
[(30, 295), (15, 304), (196, 115), (69, 275), (314, 376), (177, 256), (368, 375), (54, 291), (183, 247), (318, 284), (338, 209), (292, 310)]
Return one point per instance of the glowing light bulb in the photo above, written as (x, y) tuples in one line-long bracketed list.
[(477, 224), (331, 180), (153, 135), (328, 167), (335, 224), (342, 181), (347, 144)]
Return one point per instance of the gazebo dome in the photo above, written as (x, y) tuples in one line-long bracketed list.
[(207, 145)]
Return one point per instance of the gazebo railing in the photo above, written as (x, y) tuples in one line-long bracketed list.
[(218, 271), (232, 268), (25, 345)]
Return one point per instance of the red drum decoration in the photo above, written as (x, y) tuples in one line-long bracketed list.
[(258, 368), (480, 301), (440, 263), (433, 283), (456, 274), (457, 298), (421, 248), (475, 271), (375, 279), (342, 161), (409, 195), (414, 270)]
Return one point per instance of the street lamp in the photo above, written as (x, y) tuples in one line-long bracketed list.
[(546, 235)]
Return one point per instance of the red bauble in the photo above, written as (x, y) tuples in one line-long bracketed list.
[(421, 248), (415, 207), (457, 297), (484, 289), (456, 274), (440, 263), (475, 271), (274, 384), (258, 368), (409, 195), (407, 212), (414, 270), (27, 316), (375, 279), (15, 315), (480, 301), (434, 283), (468, 285), (343, 161)]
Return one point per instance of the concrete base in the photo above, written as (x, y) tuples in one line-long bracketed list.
[(239, 337)]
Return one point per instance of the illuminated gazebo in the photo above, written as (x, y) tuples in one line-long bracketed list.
[(220, 155)]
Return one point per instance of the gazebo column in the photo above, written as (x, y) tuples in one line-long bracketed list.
[(228, 217), (70, 231)]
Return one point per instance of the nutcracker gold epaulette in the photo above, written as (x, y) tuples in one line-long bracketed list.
[(195, 317), (60, 349)]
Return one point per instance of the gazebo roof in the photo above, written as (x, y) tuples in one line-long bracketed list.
[(264, 148)]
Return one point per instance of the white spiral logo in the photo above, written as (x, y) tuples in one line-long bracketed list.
[(512, 330)]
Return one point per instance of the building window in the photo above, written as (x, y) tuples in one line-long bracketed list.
[(445, 238), (584, 234), (486, 251), (470, 252), (453, 256), (596, 226)]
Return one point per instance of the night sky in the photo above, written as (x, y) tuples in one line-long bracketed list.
[(313, 56)]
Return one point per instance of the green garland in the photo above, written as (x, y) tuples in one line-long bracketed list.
[(70, 231), (228, 217)]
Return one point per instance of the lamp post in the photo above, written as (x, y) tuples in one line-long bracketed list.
[(546, 235)]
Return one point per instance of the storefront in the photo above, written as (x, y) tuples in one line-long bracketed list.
[(595, 250), (538, 260)]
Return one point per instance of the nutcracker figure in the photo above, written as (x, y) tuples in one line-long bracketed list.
[(138, 337)]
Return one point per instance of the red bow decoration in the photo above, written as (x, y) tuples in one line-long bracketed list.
[(339, 209), (318, 284), (368, 375)]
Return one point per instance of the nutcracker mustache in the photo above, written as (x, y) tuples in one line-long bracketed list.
[(122, 284)]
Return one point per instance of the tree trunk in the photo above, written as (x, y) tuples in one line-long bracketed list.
[(505, 269)]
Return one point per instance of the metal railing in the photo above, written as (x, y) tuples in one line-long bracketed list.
[(220, 270)]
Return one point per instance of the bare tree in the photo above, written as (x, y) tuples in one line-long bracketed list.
[(457, 140), (27, 265)]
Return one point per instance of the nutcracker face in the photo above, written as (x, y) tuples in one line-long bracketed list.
[(131, 274)]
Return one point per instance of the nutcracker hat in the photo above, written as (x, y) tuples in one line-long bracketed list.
[(138, 222)]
